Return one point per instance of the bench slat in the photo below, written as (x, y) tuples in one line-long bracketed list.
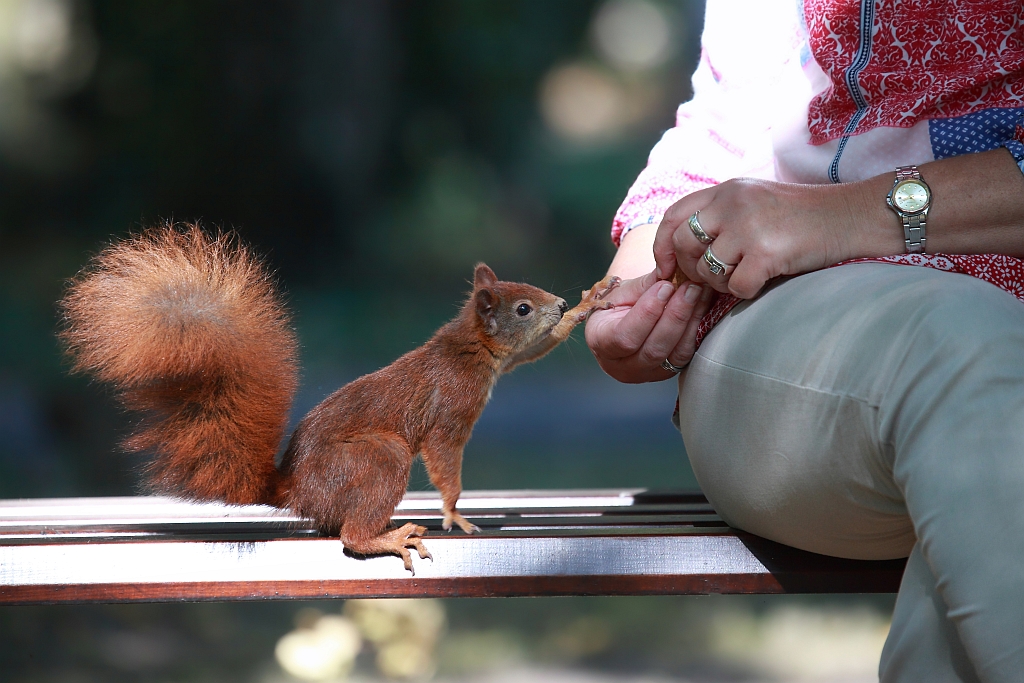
[(588, 542)]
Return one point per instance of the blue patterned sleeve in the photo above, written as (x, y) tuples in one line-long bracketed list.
[(1015, 145), (980, 131)]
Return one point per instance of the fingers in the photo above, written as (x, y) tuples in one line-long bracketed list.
[(664, 247), (632, 328), (749, 278), (762, 229), (629, 291), (725, 265), (672, 325), (630, 345), (674, 242), (744, 275), (687, 345)]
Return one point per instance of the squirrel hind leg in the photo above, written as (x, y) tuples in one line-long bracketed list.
[(392, 542), (348, 482)]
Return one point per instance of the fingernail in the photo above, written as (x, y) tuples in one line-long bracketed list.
[(691, 293), (665, 292)]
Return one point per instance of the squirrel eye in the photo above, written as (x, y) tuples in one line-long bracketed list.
[(523, 309)]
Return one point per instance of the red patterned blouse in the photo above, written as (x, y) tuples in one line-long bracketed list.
[(845, 90)]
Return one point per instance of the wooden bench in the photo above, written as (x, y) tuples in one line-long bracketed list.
[(532, 543)]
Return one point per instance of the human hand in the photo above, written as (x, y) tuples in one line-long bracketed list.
[(652, 321), (761, 229)]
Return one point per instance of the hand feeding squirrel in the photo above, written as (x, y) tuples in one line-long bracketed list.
[(191, 331)]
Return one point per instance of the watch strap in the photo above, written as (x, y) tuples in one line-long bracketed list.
[(913, 224), (914, 232), (907, 173)]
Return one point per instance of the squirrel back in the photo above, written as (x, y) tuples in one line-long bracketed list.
[(191, 331)]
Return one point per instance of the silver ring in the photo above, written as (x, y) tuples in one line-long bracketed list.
[(674, 369), (697, 230), (716, 266)]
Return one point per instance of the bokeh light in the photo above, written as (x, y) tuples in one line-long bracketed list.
[(404, 631), (47, 39), (583, 103), (324, 651), (633, 35), (48, 51), (588, 101)]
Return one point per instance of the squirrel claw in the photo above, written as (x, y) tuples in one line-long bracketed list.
[(407, 560), (456, 518), (592, 298), (394, 542), (599, 291), (609, 284), (423, 552)]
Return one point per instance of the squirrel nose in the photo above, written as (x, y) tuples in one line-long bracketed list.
[(563, 306)]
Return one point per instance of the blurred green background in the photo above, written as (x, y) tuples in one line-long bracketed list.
[(374, 152)]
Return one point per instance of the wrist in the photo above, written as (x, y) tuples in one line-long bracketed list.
[(870, 227), (635, 256)]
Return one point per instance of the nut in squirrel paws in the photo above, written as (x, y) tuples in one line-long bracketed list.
[(452, 516), (593, 299)]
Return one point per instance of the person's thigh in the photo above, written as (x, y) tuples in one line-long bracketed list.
[(780, 407), (852, 410)]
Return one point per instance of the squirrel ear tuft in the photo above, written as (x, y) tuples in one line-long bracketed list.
[(486, 307), (483, 276)]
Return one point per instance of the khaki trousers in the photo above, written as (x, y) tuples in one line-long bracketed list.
[(877, 411)]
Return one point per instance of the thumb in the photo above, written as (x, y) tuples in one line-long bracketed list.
[(629, 291)]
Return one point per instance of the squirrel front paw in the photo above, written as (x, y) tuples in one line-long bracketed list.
[(593, 298), (606, 285), (452, 516)]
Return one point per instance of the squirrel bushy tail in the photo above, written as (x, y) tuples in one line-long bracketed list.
[(192, 332)]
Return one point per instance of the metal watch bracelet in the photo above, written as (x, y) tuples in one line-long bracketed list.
[(913, 225)]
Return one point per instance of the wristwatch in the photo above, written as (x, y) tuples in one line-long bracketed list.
[(910, 197)]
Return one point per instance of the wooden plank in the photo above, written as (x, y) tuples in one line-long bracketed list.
[(629, 542)]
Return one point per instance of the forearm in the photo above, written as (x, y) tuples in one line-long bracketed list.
[(977, 208), (635, 256)]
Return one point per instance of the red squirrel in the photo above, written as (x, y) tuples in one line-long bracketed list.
[(191, 331)]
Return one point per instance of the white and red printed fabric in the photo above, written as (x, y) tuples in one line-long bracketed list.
[(835, 91)]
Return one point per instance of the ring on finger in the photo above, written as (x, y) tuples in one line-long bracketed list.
[(697, 230), (674, 369), (715, 265)]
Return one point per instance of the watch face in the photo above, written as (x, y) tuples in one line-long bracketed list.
[(910, 196)]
